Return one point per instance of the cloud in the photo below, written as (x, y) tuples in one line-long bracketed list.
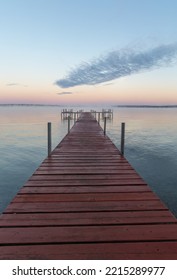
[(120, 63), (15, 84), (12, 84), (64, 93)]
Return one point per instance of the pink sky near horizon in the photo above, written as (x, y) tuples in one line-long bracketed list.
[(136, 89)]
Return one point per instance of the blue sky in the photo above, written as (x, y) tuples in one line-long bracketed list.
[(42, 41)]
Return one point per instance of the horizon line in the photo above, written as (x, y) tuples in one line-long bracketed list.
[(117, 105)]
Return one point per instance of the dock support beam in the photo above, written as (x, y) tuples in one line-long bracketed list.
[(49, 138), (122, 138)]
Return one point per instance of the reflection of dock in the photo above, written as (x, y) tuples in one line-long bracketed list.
[(74, 115), (85, 201)]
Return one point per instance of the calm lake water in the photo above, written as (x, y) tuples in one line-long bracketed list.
[(150, 145)]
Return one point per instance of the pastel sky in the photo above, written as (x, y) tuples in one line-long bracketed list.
[(88, 51)]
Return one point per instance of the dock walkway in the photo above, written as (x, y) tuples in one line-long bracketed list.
[(86, 201)]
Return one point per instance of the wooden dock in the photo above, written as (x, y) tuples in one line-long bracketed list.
[(69, 113), (86, 201)]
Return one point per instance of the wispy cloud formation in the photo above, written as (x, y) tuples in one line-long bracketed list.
[(15, 84), (117, 64), (64, 93), (12, 84)]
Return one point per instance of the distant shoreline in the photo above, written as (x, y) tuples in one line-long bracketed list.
[(116, 106), (36, 105), (146, 106)]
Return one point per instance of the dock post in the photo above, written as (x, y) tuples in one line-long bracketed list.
[(99, 118), (122, 138), (104, 125), (49, 138), (68, 123)]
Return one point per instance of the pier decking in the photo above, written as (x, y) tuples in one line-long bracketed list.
[(86, 201)]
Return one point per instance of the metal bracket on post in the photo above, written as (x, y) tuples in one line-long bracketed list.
[(49, 138), (122, 138)]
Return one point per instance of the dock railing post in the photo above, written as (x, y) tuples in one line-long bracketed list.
[(49, 130), (122, 138), (68, 123), (104, 125), (99, 118)]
